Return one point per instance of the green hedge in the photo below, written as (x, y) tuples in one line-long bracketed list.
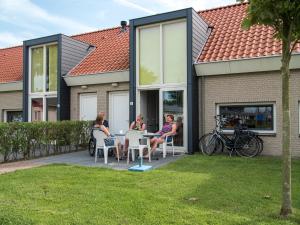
[(30, 140)]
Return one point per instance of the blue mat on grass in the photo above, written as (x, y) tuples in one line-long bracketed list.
[(140, 168)]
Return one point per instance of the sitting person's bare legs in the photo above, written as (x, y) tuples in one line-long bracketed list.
[(153, 143)]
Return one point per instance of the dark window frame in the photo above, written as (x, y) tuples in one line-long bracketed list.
[(260, 130), (6, 111)]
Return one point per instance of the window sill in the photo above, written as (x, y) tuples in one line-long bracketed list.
[(261, 133)]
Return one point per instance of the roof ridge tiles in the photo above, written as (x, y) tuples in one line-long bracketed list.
[(10, 47), (222, 7), (96, 31)]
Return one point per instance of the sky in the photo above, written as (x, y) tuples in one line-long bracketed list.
[(28, 19)]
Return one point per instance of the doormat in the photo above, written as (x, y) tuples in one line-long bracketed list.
[(139, 168)]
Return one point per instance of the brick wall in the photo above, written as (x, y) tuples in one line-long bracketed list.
[(10, 101), (102, 91), (251, 88)]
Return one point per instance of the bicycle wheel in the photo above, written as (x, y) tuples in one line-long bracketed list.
[(261, 145), (209, 144), (247, 146)]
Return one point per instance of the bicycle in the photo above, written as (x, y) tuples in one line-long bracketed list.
[(243, 142)]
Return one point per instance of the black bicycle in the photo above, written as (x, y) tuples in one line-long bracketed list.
[(243, 142)]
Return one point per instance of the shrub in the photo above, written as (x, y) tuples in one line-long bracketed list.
[(28, 140)]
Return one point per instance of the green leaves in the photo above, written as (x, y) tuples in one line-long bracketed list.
[(279, 14), (29, 140)]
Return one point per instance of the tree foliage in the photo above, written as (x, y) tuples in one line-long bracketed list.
[(284, 17), (277, 14)]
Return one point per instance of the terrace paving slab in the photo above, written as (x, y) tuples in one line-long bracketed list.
[(82, 158)]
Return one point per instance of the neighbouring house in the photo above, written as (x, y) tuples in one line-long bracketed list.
[(194, 65)]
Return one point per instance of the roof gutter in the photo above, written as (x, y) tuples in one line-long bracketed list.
[(99, 78), (250, 65), (11, 86)]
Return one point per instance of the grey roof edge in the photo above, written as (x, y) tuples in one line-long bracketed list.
[(11, 86), (247, 65), (98, 78)]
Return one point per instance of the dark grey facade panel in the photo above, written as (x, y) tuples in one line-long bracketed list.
[(199, 22), (68, 41), (200, 34), (42, 40), (160, 17), (25, 83), (132, 71), (72, 52)]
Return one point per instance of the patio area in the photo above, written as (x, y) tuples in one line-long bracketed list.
[(83, 158)]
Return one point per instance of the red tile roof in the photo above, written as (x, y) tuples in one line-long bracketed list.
[(229, 41), (11, 64), (111, 52)]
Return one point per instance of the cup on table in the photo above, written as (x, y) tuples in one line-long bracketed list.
[(145, 132), (121, 131)]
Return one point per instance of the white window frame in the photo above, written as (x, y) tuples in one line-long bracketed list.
[(230, 131), (9, 110), (43, 95)]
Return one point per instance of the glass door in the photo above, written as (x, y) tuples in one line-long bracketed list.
[(173, 103)]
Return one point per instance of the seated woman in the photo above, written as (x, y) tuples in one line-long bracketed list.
[(109, 141), (137, 125), (169, 129)]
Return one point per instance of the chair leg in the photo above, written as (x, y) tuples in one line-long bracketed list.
[(149, 154), (118, 154), (164, 150), (105, 151), (133, 154), (96, 154), (128, 153), (173, 148)]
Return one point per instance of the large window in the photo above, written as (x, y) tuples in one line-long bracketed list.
[(162, 53), (173, 104), (44, 69), (37, 109), (51, 70), (37, 69), (174, 52), (258, 117), (149, 56), (43, 83), (13, 116)]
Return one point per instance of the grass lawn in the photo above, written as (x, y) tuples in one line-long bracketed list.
[(193, 190)]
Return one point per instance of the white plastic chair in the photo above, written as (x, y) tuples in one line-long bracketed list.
[(134, 138), (100, 144), (169, 140)]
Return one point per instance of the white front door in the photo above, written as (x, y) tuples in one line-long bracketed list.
[(118, 111), (88, 106)]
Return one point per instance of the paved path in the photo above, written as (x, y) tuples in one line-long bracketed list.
[(82, 158)]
